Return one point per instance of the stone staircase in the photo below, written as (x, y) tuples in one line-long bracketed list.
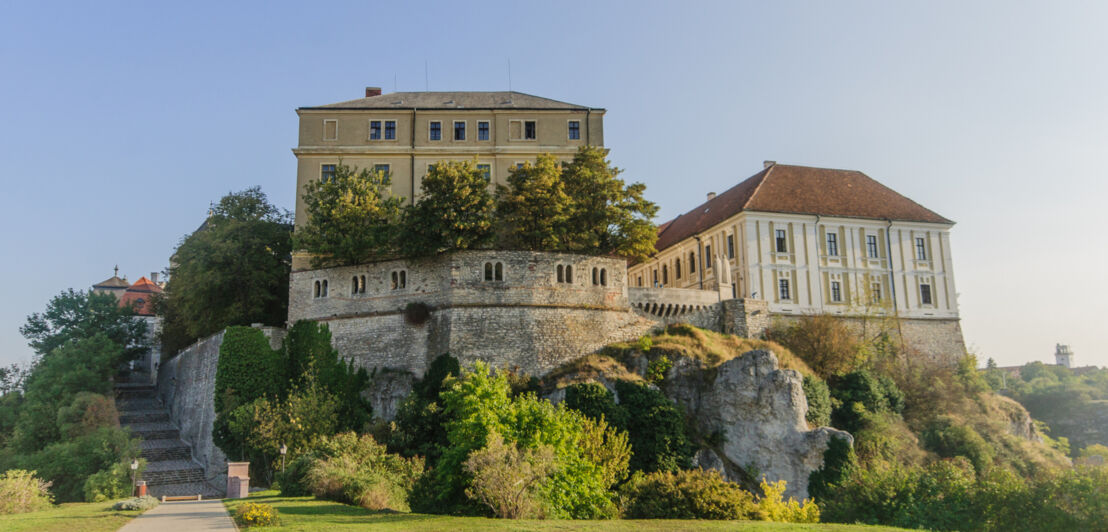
[(170, 469)]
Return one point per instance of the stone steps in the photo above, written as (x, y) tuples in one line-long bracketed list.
[(129, 417), (130, 405), (161, 450), (155, 431), (185, 489), (174, 476)]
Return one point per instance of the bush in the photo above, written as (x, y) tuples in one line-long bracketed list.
[(773, 507), (69, 464), (947, 438), (357, 470), (21, 492), (143, 503), (255, 514), (595, 401), (819, 401), (687, 494), (88, 412), (111, 483), (656, 429), (291, 480), (839, 462), (507, 479), (418, 429)]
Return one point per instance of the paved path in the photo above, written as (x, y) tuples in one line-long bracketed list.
[(182, 517)]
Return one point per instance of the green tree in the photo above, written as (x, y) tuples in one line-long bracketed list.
[(534, 207), (234, 270), (455, 211), (76, 314), (352, 218), (311, 359), (606, 215)]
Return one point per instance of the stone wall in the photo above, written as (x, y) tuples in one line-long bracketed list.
[(939, 338), (186, 385)]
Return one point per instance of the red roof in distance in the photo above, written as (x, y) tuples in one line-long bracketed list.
[(139, 296)]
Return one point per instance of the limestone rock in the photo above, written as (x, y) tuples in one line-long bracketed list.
[(386, 391)]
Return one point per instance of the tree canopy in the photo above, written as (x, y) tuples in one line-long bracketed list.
[(76, 314), (234, 270), (455, 211)]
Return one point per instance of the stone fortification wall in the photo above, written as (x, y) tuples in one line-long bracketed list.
[(938, 338), (186, 385), (520, 309)]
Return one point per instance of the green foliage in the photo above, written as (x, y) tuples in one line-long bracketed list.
[(656, 370), (88, 412), (68, 464), (1095, 449), (418, 426), (685, 494), (136, 504), (248, 369), (819, 401), (111, 483), (948, 439), (533, 208), (656, 426), (595, 402), (590, 456), (76, 315), (772, 505), (839, 463), (455, 211), (234, 270), (352, 218), (507, 479), (357, 470), (250, 514), (859, 392), (824, 342), (309, 356), (21, 491)]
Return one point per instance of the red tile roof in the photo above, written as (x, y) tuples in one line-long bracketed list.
[(792, 189), (139, 296)]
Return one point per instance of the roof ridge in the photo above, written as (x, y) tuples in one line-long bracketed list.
[(766, 172)]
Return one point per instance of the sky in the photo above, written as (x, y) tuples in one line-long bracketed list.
[(123, 120)]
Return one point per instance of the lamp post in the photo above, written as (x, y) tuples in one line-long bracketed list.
[(284, 451), (134, 471)]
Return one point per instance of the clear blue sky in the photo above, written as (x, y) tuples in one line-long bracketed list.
[(122, 121)]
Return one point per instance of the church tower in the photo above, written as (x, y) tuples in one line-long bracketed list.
[(1063, 356)]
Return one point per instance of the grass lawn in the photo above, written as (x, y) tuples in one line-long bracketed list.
[(69, 517), (311, 514)]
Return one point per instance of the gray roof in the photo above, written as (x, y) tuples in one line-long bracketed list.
[(455, 100), (114, 282)]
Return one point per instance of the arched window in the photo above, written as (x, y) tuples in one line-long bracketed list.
[(595, 276), (500, 271), (403, 278), (395, 280), (561, 273), (665, 275), (569, 273), (692, 262), (361, 288), (604, 276), (324, 289), (354, 285), (488, 271), (316, 294), (677, 268)]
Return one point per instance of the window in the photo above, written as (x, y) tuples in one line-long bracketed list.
[(783, 289), (655, 282), (361, 290), (522, 130), (330, 130), (782, 241), (924, 294), (730, 246), (692, 262), (430, 168), (494, 271), (390, 129), (327, 173), (529, 130), (434, 132), (354, 286), (486, 171), (381, 169), (665, 275), (561, 274), (459, 130), (488, 271), (875, 292), (833, 244), (603, 276), (596, 275), (871, 246), (677, 269), (324, 294), (708, 253), (836, 291), (482, 130), (317, 290), (569, 274), (399, 279), (640, 281), (574, 130), (374, 130), (921, 248), (520, 165)]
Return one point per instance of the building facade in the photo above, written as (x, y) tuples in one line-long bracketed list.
[(811, 240)]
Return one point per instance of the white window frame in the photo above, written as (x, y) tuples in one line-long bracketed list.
[(488, 123), (930, 293), (370, 124), (454, 130), (336, 137), (429, 122), (568, 130), (836, 291)]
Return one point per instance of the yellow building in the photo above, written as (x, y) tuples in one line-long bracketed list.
[(810, 240), (405, 133)]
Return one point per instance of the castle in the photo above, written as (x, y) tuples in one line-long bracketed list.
[(789, 241)]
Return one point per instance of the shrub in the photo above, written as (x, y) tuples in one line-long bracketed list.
[(356, 470), (772, 506), (143, 503), (21, 491), (819, 401), (595, 401), (656, 370), (656, 429), (687, 494), (291, 480), (507, 479), (839, 462), (418, 429), (256, 514), (88, 412), (823, 341), (947, 438), (69, 464), (111, 483)]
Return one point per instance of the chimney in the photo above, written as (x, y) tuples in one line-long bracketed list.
[(711, 196), (372, 91), (767, 164)]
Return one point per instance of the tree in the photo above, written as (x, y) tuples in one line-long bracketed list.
[(506, 478), (534, 207), (352, 218), (75, 315), (234, 270), (455, 211), (606, 216)]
